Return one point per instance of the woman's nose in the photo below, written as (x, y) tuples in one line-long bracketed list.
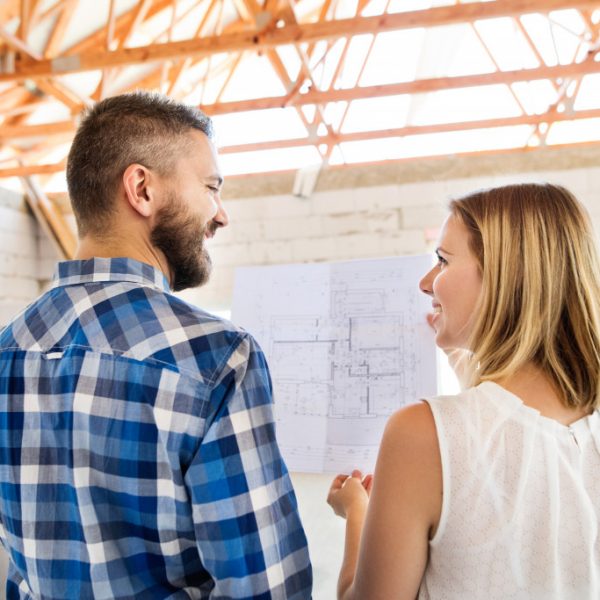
[(426, 283)]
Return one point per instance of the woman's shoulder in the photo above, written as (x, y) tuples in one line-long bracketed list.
[(413, 426), (486, 394)]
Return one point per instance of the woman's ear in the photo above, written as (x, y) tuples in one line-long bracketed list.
[(139, 188)]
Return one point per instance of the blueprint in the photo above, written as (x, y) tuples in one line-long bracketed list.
[(347, 344)]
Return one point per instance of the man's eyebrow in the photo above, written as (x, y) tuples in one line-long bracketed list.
[(216, 178)]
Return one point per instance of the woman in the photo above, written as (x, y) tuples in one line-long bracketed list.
[(494, 493)]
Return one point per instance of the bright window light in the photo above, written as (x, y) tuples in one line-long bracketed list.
[(281, 159), (569, 132), (466, 104), (383, 65), (258, 126), (588, 97), (377, 113)]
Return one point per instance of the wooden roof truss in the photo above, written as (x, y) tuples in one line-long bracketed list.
[(139, 44)]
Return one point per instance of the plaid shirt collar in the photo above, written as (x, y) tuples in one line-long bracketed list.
[(94, 270)]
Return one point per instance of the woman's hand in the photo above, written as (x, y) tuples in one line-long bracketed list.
[(348, 493)]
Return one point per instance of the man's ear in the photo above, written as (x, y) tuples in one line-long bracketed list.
[(139, 185)]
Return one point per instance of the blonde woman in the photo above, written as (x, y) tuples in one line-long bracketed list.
[(494, 493)]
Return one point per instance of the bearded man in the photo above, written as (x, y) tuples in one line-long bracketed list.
[(138, 456)]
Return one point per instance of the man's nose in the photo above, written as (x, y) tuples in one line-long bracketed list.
[(221, 219)]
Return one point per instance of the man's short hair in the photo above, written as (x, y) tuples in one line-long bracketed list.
[(141, 127)]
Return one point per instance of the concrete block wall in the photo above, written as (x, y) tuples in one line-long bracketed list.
[(19, 278), (364, 222), (341, 224)]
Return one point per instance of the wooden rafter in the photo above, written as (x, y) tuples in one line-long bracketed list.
[(28, 74), (57, 168), (16, 43), (418, 86), (411, 130), (58, 31), (289, 34), (411, 87), (337, 138), (50, 218)]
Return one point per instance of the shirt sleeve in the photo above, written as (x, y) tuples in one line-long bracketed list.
[(248, 531)]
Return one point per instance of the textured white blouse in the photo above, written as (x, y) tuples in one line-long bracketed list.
[(521, 506)]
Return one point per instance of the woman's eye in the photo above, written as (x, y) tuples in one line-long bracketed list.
[(441, 261)]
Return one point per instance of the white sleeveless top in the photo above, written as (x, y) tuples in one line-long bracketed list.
[(521, 506)]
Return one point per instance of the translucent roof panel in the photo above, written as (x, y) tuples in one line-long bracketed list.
[(569, 132), (260, 126), (441, 143), (588, 96), (535, 97), (254, 77), (383, 65), (466, 104), (507, 44), (377, 113), (281, 159), (358, 48), (463, 53)]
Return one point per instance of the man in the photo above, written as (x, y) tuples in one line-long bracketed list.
[(137, 449)]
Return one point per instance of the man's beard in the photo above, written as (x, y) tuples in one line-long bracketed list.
[(180, 236)]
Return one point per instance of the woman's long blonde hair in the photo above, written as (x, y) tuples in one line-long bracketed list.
[(541, 293)]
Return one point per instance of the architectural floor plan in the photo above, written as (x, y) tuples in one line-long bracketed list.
[(347, 345)]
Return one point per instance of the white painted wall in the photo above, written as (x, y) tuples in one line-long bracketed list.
[(334, 225), (18, 255)]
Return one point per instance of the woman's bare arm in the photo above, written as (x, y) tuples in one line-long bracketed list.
[(386, 557)]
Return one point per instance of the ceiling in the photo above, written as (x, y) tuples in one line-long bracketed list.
[(299, 83)]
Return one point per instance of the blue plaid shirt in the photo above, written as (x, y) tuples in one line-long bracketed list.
[(137, 448)]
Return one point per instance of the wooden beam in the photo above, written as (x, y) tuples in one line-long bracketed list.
[(50, 218), (140, 12), (18, 44), (8, 132), (411, 130), (520, 150), (9, 9), (351, 137), (24, 20), (64, 94), (58, 31), (24, 170), (289, 34), (15, 96), (22, 110), (410, 87), (184, 64), (123, 26)]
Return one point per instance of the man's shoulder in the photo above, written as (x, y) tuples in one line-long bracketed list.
[(183, 335), (128, 320)]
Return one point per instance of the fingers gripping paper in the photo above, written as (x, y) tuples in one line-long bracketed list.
[(347, 344)]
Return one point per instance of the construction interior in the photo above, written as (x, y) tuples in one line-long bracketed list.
[(343, 126)]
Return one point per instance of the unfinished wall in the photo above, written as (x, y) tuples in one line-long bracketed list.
[(362, 222), (18, 255)]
